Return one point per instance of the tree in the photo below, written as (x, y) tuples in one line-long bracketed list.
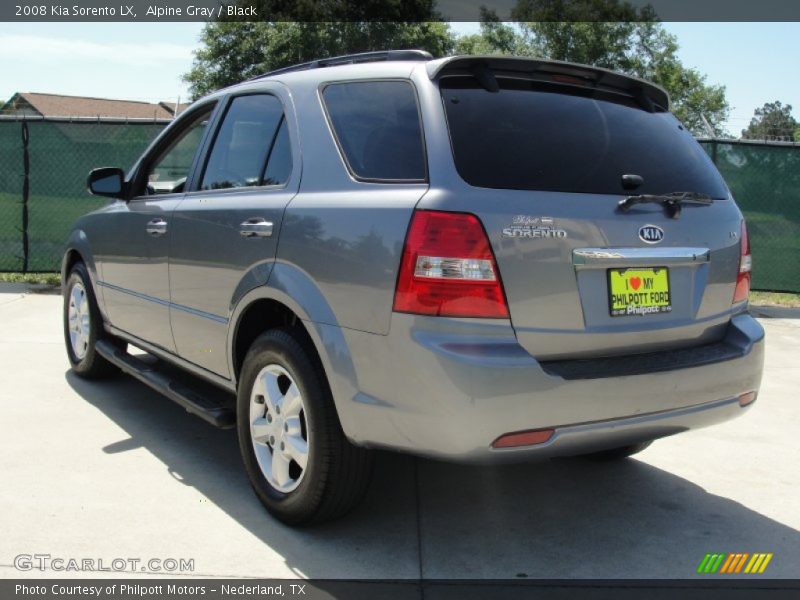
[(341, 11), (495, 37), (234, 51), (609, 34), (604, 33), (773, 121)]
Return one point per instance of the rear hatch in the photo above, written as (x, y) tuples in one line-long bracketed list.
[(541, 152)]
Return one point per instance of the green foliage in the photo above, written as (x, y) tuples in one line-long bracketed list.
[(596, 11), (232, 52), (773, 121), (31, 278), (691, 96), (606, 33), (774, 299), (345, 11), (495, 37), (609, 34)]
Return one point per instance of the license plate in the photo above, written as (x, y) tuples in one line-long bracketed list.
[(638, 291)]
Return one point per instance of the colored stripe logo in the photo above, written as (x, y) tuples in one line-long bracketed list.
[(734, 562)]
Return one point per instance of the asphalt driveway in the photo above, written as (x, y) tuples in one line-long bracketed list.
[(111, 469)]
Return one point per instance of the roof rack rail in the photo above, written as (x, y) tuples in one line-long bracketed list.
[(351, 59)]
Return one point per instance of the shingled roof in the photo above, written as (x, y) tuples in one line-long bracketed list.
[(57, 105)]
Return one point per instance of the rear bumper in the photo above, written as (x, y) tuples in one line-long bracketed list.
[(572, 440), (448, 388)]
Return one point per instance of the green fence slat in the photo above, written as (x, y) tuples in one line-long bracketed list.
[(765, 181), (11, 178), (61, 155)]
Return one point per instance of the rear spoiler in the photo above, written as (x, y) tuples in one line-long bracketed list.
[(484, 68)]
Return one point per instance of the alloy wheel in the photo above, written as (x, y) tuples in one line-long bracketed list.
[(278, 428)]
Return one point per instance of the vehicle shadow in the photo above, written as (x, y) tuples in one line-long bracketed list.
[(557, 519)]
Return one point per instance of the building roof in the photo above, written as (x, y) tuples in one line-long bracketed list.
[(57, 105)]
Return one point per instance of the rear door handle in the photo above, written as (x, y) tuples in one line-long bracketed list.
[(157, 227), (256, 227)]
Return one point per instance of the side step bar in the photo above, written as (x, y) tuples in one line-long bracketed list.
[(208, 406)]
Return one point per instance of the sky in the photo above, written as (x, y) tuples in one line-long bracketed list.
[(144, 61)]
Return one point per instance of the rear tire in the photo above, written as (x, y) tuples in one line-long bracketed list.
[(83, 327), (618, 453), (299, 462)]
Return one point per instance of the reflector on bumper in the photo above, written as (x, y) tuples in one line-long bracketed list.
[(523, 438)]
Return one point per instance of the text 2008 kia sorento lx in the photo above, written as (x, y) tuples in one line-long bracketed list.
[(470, 258)]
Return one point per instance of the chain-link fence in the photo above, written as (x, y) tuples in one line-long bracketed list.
[(764, 177), (43, 169), (34, 223)]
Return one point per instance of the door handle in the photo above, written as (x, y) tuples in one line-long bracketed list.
[(256, 227), (157, 227)]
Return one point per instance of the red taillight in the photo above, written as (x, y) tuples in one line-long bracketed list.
[(448, 268), (745, 267)]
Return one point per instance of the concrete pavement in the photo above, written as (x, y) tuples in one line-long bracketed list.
[(110, 469)]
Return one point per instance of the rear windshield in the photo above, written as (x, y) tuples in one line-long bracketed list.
[(530, 137)]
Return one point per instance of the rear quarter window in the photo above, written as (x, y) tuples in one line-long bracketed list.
[(377, 128)]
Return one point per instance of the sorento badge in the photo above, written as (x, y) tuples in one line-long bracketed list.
[(525, 226)]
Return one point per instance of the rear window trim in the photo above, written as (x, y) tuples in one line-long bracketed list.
[(343, 156)]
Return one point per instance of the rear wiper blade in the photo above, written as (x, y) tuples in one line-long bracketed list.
[(672, 201)]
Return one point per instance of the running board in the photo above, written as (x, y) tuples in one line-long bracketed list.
[(207, 402)]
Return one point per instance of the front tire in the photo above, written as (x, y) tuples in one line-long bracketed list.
[(83, 326), (298, 460)]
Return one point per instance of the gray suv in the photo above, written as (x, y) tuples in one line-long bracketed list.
[(479, 259)]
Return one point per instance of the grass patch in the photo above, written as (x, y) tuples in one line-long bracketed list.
[(775, 240), (775, 299), (32, 278)]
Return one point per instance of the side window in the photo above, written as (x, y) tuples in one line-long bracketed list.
[(168, 172), (251, 133), (377, 127)]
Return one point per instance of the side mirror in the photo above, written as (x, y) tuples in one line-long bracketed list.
[(107, 181)]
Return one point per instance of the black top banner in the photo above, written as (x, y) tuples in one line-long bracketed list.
[(398, 10)]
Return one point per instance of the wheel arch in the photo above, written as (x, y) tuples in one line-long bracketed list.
[(71, 258), (78, 250), (272, 305), (260, 315)]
